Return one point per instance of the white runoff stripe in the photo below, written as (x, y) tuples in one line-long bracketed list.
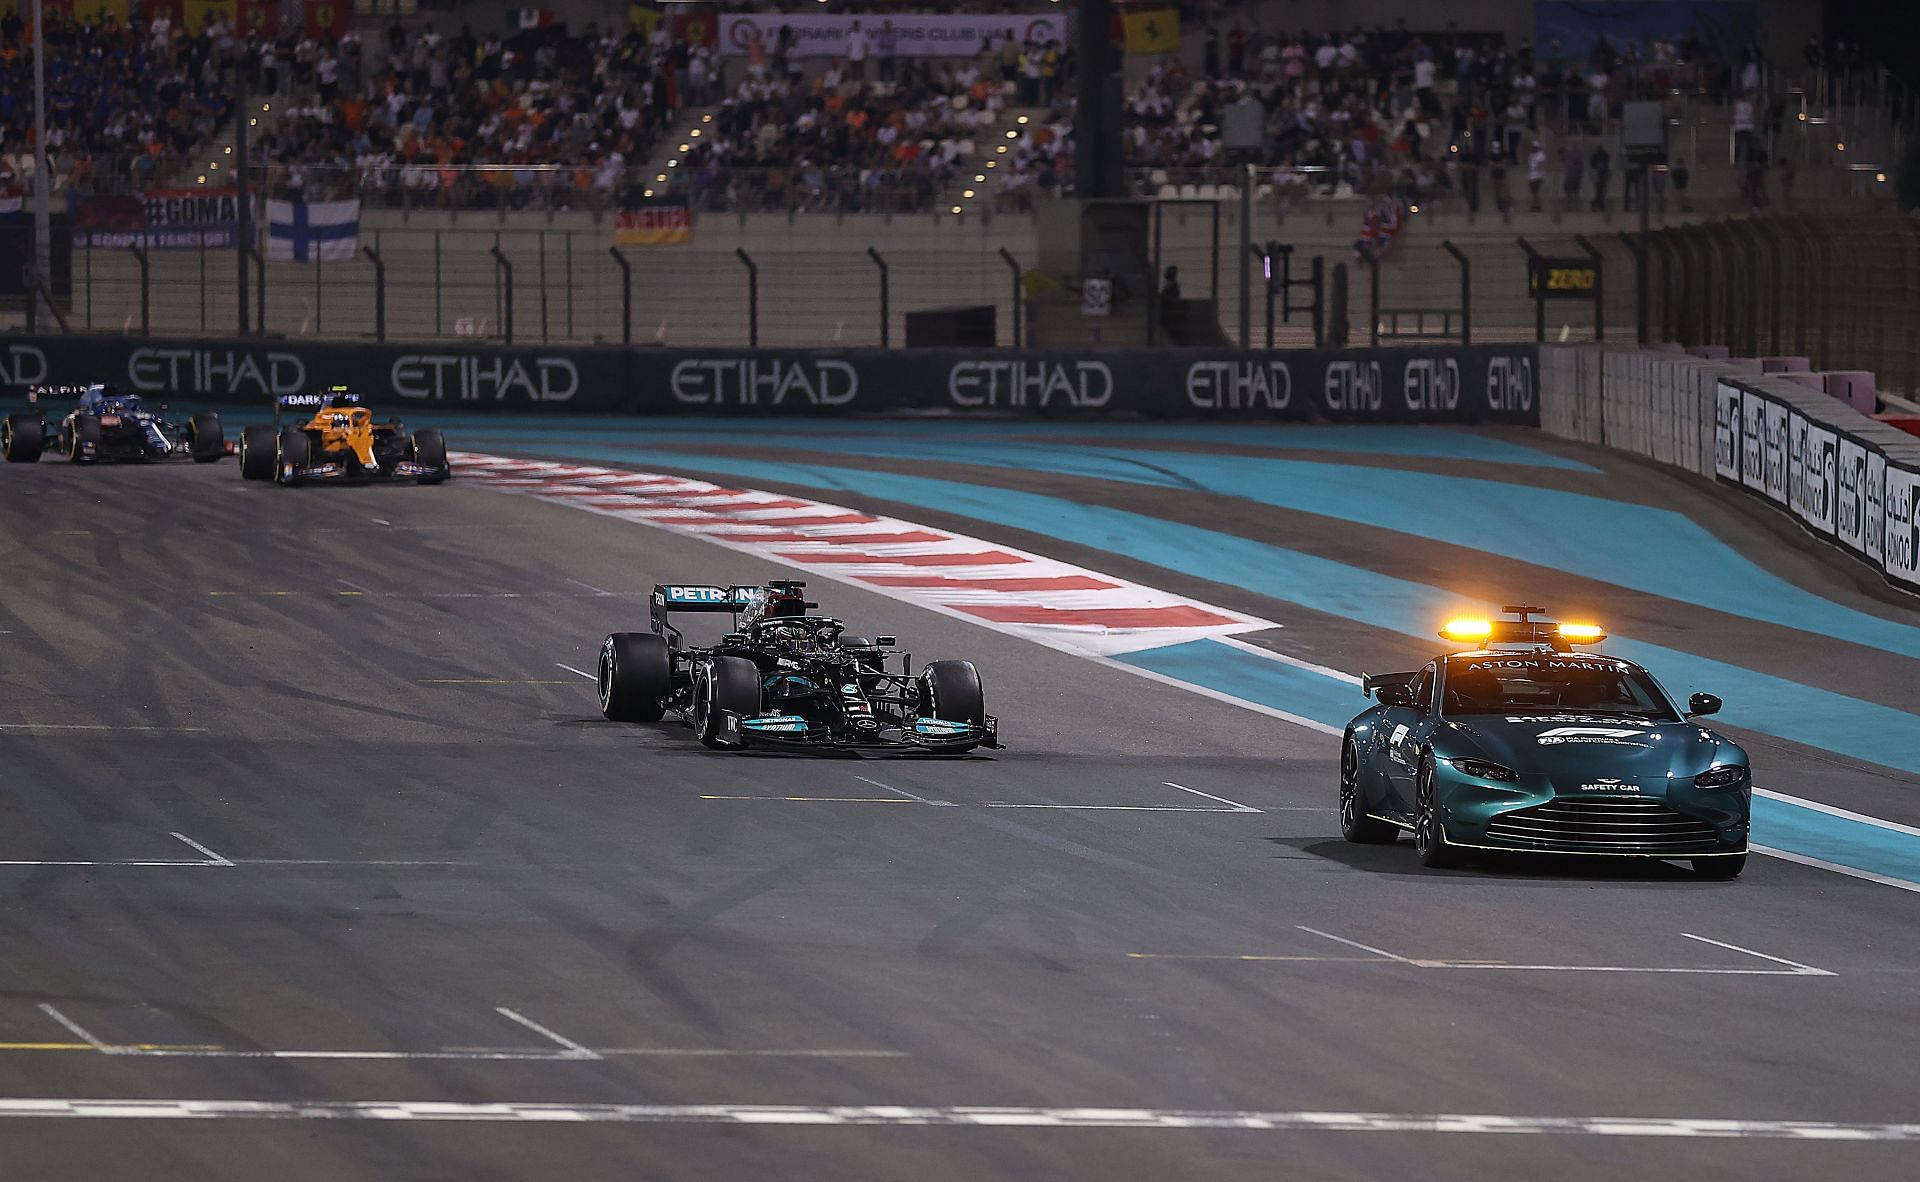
[(976, 1117), (1056, 603)]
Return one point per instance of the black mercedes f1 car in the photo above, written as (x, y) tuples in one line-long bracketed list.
[(783, 678)]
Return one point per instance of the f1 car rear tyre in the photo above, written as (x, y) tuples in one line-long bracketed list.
[(732, 685), (1355, 825), (256, 453), (22, 439), (1719, 868), (83, 430), (951, 690), (430, 448), (207, 440), (293, 447), (636, 677), (1429, 830)]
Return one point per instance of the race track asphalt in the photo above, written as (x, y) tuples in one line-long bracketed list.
[(299, 806)]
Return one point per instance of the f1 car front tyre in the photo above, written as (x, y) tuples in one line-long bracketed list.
[(1719, 868), (1355, 825), (83, 439), (732, 686), (951, 690), (1429, 829), (294, 447), (22, 439), (430, 448), (256, 453), (636, 677), (206, 438)]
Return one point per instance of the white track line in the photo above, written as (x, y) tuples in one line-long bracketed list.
[(213, 859), (571, 1047), (1232, 805), (1831, 811), (1837, 868), (1119, 808), (1690, 1128), (78, 1031), (1381, 952), (945, 804), (1803, 969)]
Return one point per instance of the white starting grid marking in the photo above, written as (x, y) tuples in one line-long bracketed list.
[(563, 1050), (764, 1115), (1791, 968), (1055, 603), (214, 860)]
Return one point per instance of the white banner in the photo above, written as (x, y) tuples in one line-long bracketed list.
[(825, 34), (1753, 441), (1810, 492), (1850, 483), (1774, 450), (1873, 529), (1726, 433), (1903, 527)]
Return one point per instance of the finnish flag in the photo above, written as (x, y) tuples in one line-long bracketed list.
[(300, 233)]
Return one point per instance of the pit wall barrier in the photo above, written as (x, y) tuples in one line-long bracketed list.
[(1844, 478), (1437, 384)]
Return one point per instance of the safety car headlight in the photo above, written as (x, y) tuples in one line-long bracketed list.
[(1721, 775), (1480, 769)]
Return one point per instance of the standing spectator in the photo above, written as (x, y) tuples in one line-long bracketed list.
[(1633, 186), (1210, 56), (1742, 127), (326, 72), (1236, 50), (1173, 313), (886, 43), (1572, 174), (1601, 165), (857, 52), (1536, 173)]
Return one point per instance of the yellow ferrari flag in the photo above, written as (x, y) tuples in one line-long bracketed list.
[(643, 20), (1156, 30)]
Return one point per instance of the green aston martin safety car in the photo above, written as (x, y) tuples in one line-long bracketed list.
[(1522, 744)]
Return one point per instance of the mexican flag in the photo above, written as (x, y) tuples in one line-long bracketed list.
[(529, 18)]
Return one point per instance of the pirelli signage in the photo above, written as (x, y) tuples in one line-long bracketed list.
[(1562, 278)]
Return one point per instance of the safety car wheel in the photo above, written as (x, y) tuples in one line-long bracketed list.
[(1429, 831), (257, 455), (732, 685), (83, 430), (636, 677), (1719, 868), (430, 448), (951, 690), (22, 439), (295, 447), (1355, 825), (207, 440)]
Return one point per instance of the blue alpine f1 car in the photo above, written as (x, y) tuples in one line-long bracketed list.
[(1522, 744), (106, 424)]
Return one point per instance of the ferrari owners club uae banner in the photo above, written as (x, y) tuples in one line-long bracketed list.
[(159, 219), (668, 224), (325, 18), (825, 34)]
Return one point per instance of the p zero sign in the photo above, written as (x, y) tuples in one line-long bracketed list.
[(1562, 278)]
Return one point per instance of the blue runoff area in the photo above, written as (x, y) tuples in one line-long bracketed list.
[(1778, 824)]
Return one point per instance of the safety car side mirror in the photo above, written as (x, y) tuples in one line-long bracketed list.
[(1702, 704), (1395, 695), (886, 641)]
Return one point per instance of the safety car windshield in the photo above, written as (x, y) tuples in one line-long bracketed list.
[(1555, 683)]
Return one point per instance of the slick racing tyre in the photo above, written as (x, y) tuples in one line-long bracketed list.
[(951, 690), (1355, 825), (732, 686), (293, 447), (257, 453), (636, 677), (1429, 831), (84, 431), (22, 439), (1719, 868), (430, 448), (207, 440)]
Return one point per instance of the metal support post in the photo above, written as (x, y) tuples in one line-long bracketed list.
[(626, 295), (1019, 295), (1466, 289), (1599, 287), (146, 306), (885, 319), (503, 269), (753, 296), (379, 293)]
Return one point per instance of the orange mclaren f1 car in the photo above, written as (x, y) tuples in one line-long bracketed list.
[(339, 442)]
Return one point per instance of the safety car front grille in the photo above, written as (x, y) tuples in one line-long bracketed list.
[(1624, 824)]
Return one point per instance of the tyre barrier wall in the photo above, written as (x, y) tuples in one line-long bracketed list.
[(1441, 384), (1845, 478)]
